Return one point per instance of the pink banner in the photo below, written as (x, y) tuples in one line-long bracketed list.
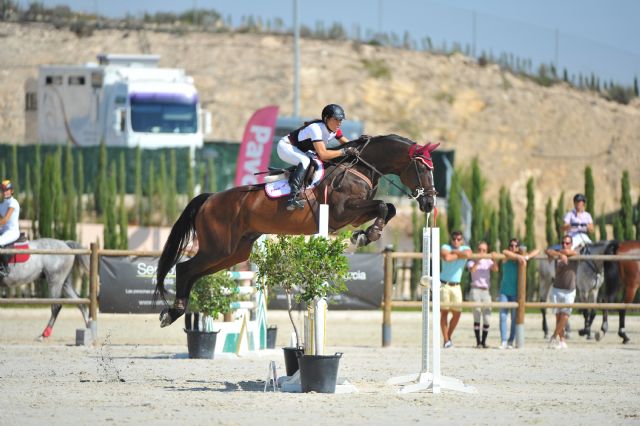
[(255, 150)]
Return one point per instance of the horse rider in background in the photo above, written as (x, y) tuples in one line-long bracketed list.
[(9, 225), (578, 222), (313, 136)]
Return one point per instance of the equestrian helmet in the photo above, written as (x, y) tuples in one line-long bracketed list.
[(579, 197), (332, 110), (7, 185)]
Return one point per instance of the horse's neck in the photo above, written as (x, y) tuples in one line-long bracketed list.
[(385, 155)]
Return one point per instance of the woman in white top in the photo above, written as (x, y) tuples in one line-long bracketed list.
[(313, 136), (9, 214)]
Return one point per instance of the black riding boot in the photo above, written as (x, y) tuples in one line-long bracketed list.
[(295, 182), (4, 266)]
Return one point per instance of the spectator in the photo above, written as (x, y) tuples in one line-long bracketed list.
[(453, 257), (578, 222), (509, 288), (564, 288), (480, 282)]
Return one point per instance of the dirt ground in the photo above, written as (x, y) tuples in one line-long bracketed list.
[(139, 373)]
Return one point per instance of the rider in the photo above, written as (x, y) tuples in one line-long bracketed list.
[(578, 222), (9, 227), (312, 136)]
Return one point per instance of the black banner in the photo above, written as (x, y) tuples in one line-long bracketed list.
[(127, 285), (365, 286)]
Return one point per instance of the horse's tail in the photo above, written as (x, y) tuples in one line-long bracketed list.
[(81, 261), (611, 271), (182, 232)]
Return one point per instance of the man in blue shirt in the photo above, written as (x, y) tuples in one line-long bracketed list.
[(453, 257)]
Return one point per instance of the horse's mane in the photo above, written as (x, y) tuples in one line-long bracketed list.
[(379, 138)]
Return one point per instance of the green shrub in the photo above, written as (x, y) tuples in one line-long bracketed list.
[(213, 294)]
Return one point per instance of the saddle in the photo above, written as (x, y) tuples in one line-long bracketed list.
[(20, 243), (277, 180)]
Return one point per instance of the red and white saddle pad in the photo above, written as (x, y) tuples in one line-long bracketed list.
[(281, 188), (20, 257)]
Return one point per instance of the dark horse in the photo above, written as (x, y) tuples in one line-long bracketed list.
[(226, 224), (624, 274)]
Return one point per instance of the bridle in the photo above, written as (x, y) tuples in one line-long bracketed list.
[(414, 157)]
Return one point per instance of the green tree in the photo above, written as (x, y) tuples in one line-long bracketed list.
[(151, 184), (123, 220), (37, 183), (190, 178), (477, 191), (162, 192), (26, 207), (213, 179), (558, 217), (637, 221), (549, 229), (138, 187), (602, 226), (530, 232), (172, 189), (503, 219), (80, 180), (635, 86), (110, 235), (454, 216), (59, 229), (618, 228), (102, 181), (441, 223), (45, 213), (589, 192), (70, 212), (14, 175), (626, 212)]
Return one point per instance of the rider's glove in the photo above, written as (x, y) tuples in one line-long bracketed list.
[(350, 150)]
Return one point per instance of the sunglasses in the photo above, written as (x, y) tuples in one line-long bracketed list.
[(566, 243), (513, 245), (457, 239)]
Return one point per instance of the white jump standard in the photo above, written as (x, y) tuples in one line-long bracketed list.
[(430, 376)]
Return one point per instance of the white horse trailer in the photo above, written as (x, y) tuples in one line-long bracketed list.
[(123, 100)]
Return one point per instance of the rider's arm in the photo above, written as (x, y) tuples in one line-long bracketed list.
[(325, 154), (6, 218), (343, 140)]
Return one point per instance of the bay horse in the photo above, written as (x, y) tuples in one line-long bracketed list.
[(56, 269), (227, 223), (623, 275)]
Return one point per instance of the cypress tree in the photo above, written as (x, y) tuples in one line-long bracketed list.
[(37, 182), (477, 190), (162, 192), (530, 237), (172, 189), (14, 175), (213, 179), (138, 187), (70, 196), (493, 233), (558, 217), (637, 221), (102, 182), (441, 222), (510, 215), (589, 192), (58, 195), (122, 212), (201, 179), (636, 91), (503, 219), (80, 179), (626, 212), (26, 207), (45, 213), (549, 231), (109, 233), (602, 226), (190, 178), (618, 228), (151, 184), (454, 221)]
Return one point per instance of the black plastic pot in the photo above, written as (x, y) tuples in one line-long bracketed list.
[(291, 359), (272, 333), (319, 373), (201, 344)]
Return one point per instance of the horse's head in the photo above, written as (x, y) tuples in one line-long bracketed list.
[(418, 175)]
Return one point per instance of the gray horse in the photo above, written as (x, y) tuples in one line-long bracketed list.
[(589, 280), (56, 269)]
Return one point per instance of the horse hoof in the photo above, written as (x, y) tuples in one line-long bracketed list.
[(40, 338), (598, 336), (165, 318), (582, 332), (625, 340), (589, 337)]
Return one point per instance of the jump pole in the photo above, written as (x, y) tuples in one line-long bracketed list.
[(430, 376)]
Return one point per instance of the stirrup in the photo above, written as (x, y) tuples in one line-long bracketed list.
[(294, 204)]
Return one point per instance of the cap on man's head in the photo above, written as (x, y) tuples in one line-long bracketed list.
[(6, 185), (579, 197)]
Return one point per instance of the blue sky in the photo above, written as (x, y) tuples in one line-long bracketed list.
[(592, 36)]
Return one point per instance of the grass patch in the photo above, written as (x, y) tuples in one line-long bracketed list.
[(376, 68)]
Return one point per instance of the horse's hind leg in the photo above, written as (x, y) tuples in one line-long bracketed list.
[(621, 329), (70, 293)]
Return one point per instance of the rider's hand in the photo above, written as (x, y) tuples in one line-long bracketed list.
[(350, 150), (364, 138)]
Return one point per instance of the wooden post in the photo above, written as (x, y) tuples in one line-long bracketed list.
[(388, 292), (522, 298), (93, 291)]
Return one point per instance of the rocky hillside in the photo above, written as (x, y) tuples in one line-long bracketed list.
[(515, 127)]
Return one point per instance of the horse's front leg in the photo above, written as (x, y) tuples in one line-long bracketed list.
[(381, 212)]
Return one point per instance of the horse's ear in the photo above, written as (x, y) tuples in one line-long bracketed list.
[(431, 147)]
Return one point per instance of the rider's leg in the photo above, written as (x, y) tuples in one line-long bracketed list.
[(293, 155)]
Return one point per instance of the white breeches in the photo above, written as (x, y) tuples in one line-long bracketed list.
[(291, 154), (9, 236)]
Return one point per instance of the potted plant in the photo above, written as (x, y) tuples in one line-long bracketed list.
[(210, 296), (306, 269)]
